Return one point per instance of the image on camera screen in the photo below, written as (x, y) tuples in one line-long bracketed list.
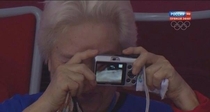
[(109, 72)]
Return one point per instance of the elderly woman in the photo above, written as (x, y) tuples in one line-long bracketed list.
[(72, 33)]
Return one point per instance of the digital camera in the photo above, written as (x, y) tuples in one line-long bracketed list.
[(114, 70)]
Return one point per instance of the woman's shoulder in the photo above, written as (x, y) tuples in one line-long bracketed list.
[(137, 104), (18, 102)]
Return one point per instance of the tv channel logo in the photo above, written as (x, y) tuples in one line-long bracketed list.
[(179, 15)]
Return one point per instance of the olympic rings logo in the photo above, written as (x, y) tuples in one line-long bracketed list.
[(177, 25)]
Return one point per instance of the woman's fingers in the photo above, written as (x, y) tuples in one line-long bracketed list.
[(150, 71), (80, 56), (85, 71), (134, 50)]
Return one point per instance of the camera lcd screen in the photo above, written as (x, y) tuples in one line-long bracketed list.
[(110, 72)]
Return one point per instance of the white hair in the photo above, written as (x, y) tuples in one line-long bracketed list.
[(59, 15)]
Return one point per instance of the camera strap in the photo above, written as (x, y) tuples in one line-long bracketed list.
[(146, 92), (141, 85), (77, 107), (70, 105)]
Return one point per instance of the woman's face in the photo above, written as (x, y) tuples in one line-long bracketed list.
[(101, 36)]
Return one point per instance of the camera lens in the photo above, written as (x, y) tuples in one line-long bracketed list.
[(130, 74), (113, 58)]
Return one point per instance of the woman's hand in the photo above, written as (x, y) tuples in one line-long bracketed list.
[(159, 68), (72, 77)]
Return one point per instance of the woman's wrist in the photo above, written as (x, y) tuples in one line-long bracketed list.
[(186, 100)]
